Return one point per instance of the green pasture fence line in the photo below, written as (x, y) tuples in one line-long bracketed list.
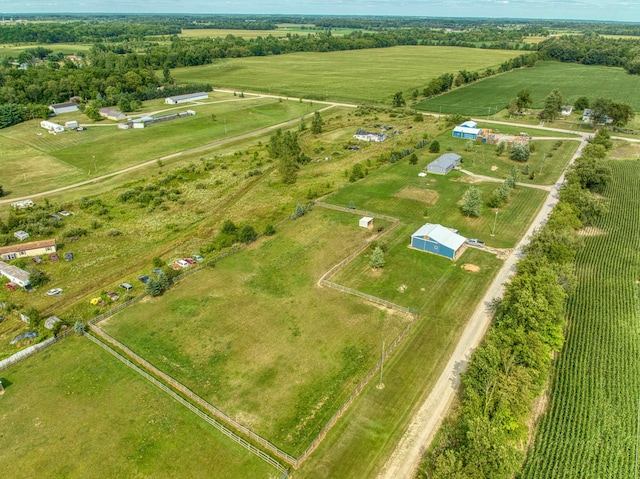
[(356, 392), (197, 399), (227, 432), (368, 297), (27, 353), (357, 212), (117, 309)]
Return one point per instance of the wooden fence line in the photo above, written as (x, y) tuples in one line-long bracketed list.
[(227, 432), (197, 399)]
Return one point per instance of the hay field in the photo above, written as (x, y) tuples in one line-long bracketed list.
[(75, 411), (360, 76), (573, 80), (259, 339)]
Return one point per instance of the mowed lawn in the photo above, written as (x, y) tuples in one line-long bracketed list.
[(546, 162), (36, 160), (360, 76), (75, 411), (573, 80), (257, 337), (397, 190)]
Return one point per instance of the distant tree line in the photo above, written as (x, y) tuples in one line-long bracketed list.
[(592, 49)]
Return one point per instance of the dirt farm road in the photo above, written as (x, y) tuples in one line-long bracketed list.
[(404, 462)]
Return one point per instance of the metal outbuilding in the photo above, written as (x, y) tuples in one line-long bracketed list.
[(437, 239), (444, 164)]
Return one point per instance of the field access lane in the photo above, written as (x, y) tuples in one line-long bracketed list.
[(404, 462)]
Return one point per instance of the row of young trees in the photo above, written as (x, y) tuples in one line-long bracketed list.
[(487, 434)]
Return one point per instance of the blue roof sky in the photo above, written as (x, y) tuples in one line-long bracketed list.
[(620, 10)]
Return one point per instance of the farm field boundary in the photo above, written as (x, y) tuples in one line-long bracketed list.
[(573, 80), (184, 402), (360, 76), (595, 381)]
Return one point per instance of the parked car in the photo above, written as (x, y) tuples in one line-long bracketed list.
[(31, 334), (68, 256), (113, 296), (37, 259), (190, 260), (183, 263), (126, 286), (64, 213), (475, 242), (198, 258), (11, 286), (56, 217), (175, 266), (144, 279), (54, 292), (80, 128), (156, 271), (54, 257)]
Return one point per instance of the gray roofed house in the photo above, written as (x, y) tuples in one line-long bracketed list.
[(14, 274), (112, 114), (173, 100), (61, 108), (444, 164)]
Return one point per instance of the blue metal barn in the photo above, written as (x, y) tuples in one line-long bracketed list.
[(437, 239)]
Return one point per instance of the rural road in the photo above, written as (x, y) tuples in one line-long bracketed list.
[(404, 462), (213, 144)]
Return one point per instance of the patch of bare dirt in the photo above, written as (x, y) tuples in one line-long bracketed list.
[(375, 272), (472, 268), (429, 197), (402, 288), (470, 179), (494, 168)]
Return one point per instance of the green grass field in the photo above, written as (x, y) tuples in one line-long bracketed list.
[(573, 80), (74, 411), (37, 161), (591, 427), (283, 30), (361, 76), (66, 48), (547, 161), (397, 190), (258, 339)]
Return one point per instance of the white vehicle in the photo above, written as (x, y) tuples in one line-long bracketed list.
[(183, 263), (54, 292)]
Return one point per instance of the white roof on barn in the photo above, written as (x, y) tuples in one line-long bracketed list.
[(441, 234), (466, 129), (469, 124), (188, 96)]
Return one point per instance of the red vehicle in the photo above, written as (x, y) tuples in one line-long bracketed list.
[(11, 286), (54, 257), (190, 261)]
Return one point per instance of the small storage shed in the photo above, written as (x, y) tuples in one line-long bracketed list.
[(366, 222), (444, 164), (437, 239)]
